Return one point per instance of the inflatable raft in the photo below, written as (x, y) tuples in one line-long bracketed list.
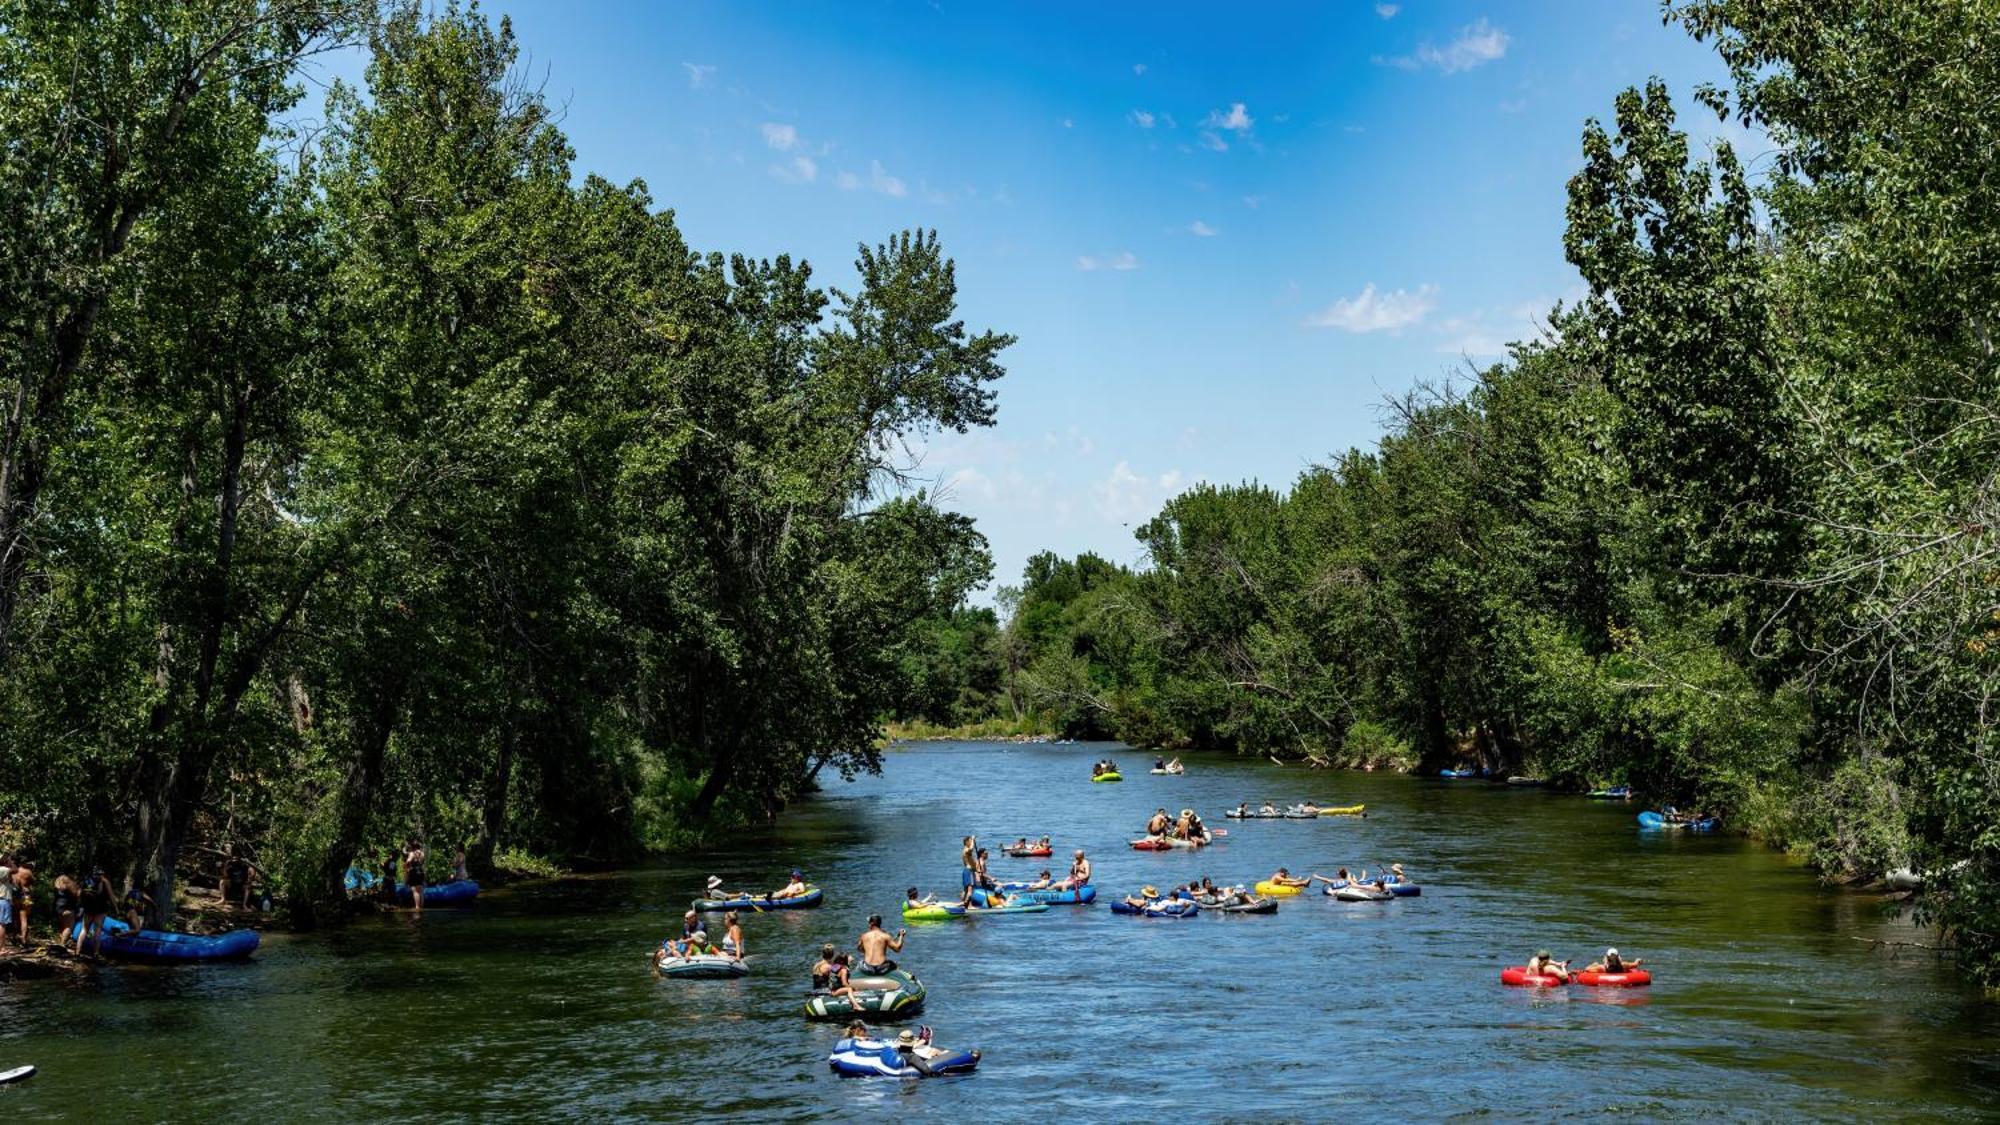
[(1159, 908), (1519, 977), (1345, 810), (169, 947), (1114, 775), (1525, 782), (951, 911), (1233, 814), (1230, 905), (1357, 892), (1276, 890), (877, 1058), (1036, 852), (1615, 793), (805, 901), (1168, 773), (1652, 820), (1631, 978), (892, 995), (704, 966), (1167, 844), (1072, 896), (454, 893)]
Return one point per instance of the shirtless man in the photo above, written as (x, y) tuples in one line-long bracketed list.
[(875, 945), (1159, 824), (1079, 871)]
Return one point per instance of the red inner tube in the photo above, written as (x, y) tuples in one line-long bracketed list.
[(1520, 977), (1027, 853), (1631, 978), (1150, 844)]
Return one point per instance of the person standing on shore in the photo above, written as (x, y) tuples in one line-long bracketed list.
[(23, 880), (413, 873)]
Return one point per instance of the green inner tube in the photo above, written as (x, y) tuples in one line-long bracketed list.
[(894, 993)]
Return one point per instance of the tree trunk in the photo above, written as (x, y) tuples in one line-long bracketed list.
[(324, 902), (493, 812)]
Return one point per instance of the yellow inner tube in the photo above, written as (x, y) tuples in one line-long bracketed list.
[(1109, 777), (1276, 890), (1345, 810)]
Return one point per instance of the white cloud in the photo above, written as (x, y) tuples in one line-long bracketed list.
[(1138, 68), (781, 137), (1388, 11), (1485, 333), (1068, 122), (1210, 139), (1129, 496), (802, 170), (1142, 119), (698, 75), (1237, 120), (880, 179), (1200, 229), (1370, 311), (1123, 260), (1477, 44), (1253, 201)]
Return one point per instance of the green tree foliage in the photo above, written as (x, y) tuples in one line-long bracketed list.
[(396, 480)]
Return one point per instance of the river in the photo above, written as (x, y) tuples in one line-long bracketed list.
[(537, 1002)]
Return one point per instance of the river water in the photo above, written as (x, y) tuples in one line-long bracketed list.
[(538, 1002)]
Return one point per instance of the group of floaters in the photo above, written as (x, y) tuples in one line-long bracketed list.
[(1667, 817), (1544, 971), (1304, 810), (1105, 770), (1184, 831)]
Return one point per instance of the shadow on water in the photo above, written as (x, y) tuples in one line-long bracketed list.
[(537, 1001)]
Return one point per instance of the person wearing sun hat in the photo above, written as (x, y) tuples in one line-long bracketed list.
[(1147, 895)]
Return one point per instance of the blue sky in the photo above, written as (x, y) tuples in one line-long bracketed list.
[(1222, 236)]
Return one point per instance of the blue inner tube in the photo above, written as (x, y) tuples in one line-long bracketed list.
[(876, 1058), (440, 894)]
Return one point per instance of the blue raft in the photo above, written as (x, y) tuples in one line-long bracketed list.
[(454, 893), (170, 947), (1075, 896), (1652, 820)]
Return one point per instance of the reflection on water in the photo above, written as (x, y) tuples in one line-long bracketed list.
[(538, 1001)]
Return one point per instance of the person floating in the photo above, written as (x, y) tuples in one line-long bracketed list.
[(875, 945), (1159, 824), (732, 937), (1542, 965), (822, 970), (1042, 882), (1147, 896), (792, 889), (1283, 878), (1613, 963)]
